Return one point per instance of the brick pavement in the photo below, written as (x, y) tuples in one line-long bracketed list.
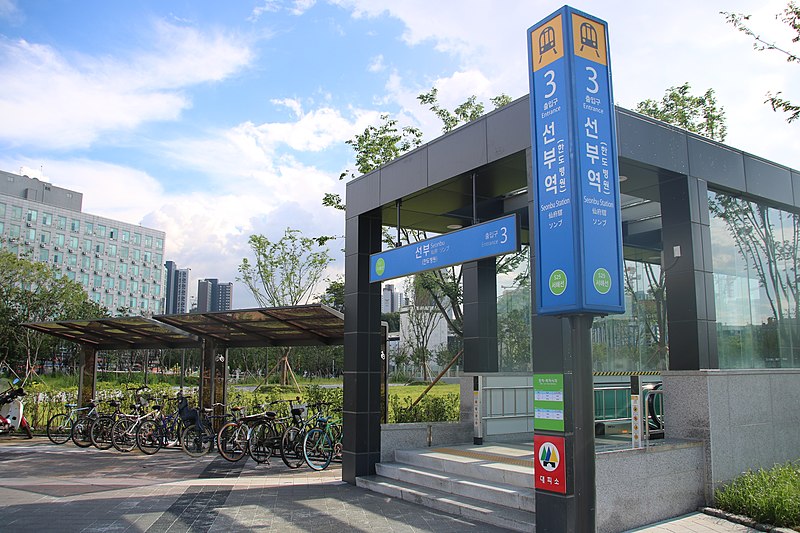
[(44, 487)]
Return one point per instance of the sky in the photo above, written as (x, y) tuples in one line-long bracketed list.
[(214, 121)]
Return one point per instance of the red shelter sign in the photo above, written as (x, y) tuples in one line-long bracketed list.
[(549, 463)]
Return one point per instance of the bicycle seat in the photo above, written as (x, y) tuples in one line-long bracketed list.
[(156, 408), (236, 409), (113, 403), (298, 411), (71, 405), (270, 414)]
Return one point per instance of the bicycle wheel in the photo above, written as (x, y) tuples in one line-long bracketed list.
[(259, 442), (80, 432), (232, 441), (196, 442), (100, 434), (59, 428), (292, 447), (336, 432), (149, 437), (123, 434), (317, 449), (174, 432)]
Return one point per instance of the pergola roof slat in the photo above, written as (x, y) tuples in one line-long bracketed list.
[(303, 325)]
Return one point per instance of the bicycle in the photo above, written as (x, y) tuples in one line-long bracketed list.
[(233, 437), (123, 432), (59, 427), (80, 430), (158, 432), (292, 438), (264, 437), (323, 443), (100, 431), (199, 438)]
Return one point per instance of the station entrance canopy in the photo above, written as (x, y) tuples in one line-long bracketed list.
[(304, 325), (212, 333)]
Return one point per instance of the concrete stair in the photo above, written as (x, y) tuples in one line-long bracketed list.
[(492, 484)]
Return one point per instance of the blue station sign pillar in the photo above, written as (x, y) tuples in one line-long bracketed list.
[(578, 250)]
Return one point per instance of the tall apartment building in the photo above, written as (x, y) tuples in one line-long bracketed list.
[(177, 289), (214, 296), (391, 300), (119, 264)]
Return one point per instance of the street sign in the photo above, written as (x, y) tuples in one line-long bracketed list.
[(573, 136), (489, 239)]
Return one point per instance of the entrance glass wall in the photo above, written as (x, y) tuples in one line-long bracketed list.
[(754, 250), (635, 341)]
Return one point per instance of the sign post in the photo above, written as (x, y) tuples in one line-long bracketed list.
[(578, 253)]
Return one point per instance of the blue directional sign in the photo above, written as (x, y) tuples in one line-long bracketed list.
[(573, 135), (489, 239)]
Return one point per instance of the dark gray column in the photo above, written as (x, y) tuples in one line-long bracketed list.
[(213, 373), (686, 238), (362, 350), (480, 316), (220, 386), (87, 383)]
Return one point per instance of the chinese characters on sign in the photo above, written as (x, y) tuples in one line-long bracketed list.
[(578, 232)]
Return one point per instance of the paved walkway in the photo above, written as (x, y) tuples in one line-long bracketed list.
[(697, 522), (44, 487)]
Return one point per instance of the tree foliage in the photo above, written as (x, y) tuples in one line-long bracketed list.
[(698, 114), (468, 111), (791, 17), (34, 292), (334, 294), (286, 271)]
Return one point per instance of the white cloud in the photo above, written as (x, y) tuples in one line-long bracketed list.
[(9, 10), (652, 49), (55, 101), (376, 65)]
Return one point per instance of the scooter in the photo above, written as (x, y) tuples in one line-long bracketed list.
[(11, 416)]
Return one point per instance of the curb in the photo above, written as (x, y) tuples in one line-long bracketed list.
[(743, 520)]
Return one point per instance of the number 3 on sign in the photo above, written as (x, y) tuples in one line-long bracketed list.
[(593, 88), (550, 76)]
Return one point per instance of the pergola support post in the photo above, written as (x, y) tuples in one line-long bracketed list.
[(87, 378), (213, 374)]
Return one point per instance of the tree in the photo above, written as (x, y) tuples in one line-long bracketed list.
[(698, 114), (375, 146), (286, 272), (791, 17), (421, 322), (35, 292), (468, 111), (334, 294)]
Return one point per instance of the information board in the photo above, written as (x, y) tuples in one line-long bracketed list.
[(548, 402), (488, 239), (573, 136)]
